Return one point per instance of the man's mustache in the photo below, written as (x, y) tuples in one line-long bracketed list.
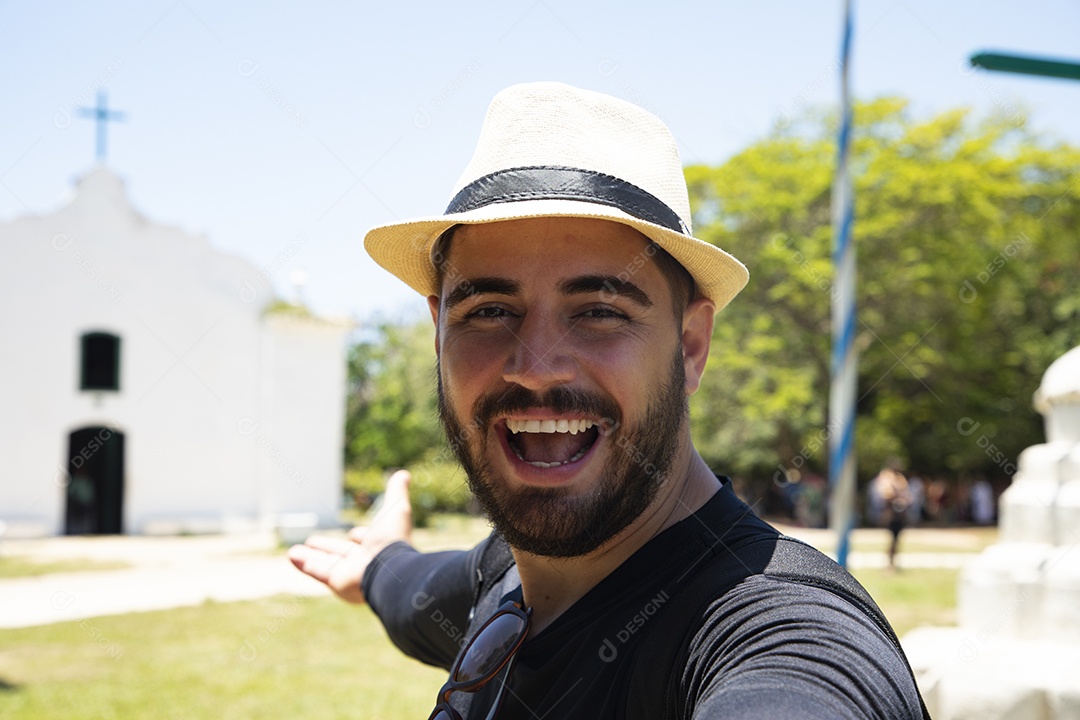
[(560, 400)]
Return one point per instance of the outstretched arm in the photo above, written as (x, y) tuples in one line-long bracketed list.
[(422, 599), (340, 564)]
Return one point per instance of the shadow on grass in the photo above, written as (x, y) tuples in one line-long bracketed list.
[(5, 686)]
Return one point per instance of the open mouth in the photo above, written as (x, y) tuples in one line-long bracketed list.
[(552, 442)]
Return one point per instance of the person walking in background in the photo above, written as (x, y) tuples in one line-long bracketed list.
[(892, 487)]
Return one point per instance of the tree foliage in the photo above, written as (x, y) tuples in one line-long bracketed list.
[(967, 289), (392, 421), (391, 413)]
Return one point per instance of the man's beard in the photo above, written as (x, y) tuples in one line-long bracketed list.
[(551, 521)]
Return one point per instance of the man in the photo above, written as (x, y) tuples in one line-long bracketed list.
[(573, 312)]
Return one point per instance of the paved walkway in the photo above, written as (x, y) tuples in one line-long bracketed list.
[(165, 573), (184, 571)]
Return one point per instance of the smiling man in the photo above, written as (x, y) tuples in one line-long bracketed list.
[(573, 311), (556, 361)]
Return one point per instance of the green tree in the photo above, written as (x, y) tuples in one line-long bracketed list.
[(392, 420), (391, 415), (967, 290)]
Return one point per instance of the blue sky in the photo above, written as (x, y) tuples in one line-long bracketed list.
[(284, 130)]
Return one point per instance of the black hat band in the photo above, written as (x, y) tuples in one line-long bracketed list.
[(564, 183)]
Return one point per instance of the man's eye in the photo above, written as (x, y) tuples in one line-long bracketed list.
[(601, 313), (489, 313)]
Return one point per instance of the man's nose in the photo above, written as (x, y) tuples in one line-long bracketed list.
[(540, 356)]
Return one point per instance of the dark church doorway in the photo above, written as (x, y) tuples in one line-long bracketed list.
[(95, 493)]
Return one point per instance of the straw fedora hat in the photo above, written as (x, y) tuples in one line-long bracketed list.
[(549, 149)]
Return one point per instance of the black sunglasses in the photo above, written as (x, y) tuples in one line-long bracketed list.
[(494, 645)]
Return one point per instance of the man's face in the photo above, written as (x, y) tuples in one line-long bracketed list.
[(561, 377)]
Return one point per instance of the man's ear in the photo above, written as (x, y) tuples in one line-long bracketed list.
[(696, 338), (433, 306)]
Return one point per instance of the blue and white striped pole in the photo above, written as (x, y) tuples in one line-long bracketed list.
[(844, 358)]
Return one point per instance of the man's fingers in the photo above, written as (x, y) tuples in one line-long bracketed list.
[(340, 563), (319, 554), (315, 563), (335, 546), (339, 571)]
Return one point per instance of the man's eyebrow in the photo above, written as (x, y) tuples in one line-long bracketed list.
[(607, 285), (482, 285)]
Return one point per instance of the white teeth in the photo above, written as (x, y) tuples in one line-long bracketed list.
[(541, 464), (573, 426)]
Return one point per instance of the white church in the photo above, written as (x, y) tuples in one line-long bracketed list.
[(152, 385)]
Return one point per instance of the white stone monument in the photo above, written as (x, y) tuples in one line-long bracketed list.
[(1016, 653)]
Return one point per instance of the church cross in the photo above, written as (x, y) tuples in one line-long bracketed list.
[(102, 115)]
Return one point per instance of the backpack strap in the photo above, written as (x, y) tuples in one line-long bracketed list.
[(495, 560)]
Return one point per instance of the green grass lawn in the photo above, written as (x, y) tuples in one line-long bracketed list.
[(15, 566), (910, 598), (282, 657)]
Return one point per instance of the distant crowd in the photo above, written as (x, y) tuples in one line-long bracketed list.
[(890, 498)]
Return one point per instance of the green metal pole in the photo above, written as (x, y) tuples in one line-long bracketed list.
[(1043, 67)]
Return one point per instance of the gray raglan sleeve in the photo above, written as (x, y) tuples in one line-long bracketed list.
[(771, 648)]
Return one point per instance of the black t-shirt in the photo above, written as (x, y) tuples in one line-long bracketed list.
[(701, 622)]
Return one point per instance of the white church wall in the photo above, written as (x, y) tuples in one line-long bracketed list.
[(191, 344), (303, 432)]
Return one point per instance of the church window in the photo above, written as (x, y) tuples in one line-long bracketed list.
[(100, 368)]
